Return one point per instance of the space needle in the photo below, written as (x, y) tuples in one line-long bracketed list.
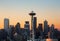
[(32, 27)]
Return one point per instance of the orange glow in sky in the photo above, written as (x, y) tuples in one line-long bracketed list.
[(18, 10)]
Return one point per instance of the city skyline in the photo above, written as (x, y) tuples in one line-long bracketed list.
[(17, 11), (45, 22)]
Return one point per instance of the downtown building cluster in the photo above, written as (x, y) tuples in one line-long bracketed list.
[(16, 33)]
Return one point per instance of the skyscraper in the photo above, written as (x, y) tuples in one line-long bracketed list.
[(27, 30), (6, 24), (27, 25), (52, 28), (18, 28), (35, 25), (46, 27), (40, 30), (52, 32), (40, 27), (11, 31)]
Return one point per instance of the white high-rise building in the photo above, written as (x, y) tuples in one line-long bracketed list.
[(6, 24), (27, 25)]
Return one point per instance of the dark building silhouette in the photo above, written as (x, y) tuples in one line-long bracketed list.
[(52, 36), (40, 30), (35, 25), (17, 28), (40, 27), (27, 30), (48, 28), (11, 31), (45, 27), (3, 35), (57, 34)]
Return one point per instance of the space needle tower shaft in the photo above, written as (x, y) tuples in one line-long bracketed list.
[(32, 27)]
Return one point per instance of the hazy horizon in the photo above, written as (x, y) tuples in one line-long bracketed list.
[(18, 11)]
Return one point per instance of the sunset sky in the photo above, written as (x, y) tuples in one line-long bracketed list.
[(18, 10)]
